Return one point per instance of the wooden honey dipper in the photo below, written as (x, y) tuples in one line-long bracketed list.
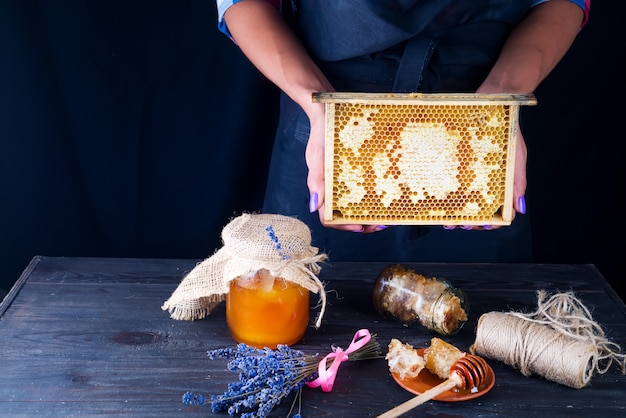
[(467, 372)]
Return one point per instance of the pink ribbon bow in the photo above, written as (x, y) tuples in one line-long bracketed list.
[(326, 376)]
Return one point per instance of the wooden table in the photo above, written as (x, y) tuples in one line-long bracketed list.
[(87, 336)]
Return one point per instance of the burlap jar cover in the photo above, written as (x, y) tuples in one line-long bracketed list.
[(278, 243)]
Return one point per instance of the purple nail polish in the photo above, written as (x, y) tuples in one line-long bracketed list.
[(449, 227), (381, 227), (487, 227), (466, 227), (521, 204), (313, 202)]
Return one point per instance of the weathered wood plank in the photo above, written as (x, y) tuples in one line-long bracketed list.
[(88, 337)]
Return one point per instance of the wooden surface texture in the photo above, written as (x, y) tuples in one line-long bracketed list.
[(87, 337)]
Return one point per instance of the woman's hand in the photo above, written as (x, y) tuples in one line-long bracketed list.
[(315, 164), (519, 187), (530, 53)]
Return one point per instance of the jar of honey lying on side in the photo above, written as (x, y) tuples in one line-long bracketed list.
[(415, 300), (263, 310)]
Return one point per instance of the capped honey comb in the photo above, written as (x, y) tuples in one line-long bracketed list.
[(420, 158)]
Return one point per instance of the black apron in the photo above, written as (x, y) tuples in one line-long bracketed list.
[(394, 46)]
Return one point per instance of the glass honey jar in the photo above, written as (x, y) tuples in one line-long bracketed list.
[(427, 303), (265, 311)]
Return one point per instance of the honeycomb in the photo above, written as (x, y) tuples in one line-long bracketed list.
[(420, 158)]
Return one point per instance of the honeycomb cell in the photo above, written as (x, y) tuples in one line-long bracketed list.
[(417, 162)]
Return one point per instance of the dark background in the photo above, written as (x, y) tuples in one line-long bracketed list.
[(136, 129)]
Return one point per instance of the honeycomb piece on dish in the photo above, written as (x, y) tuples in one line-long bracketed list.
[(403, 359)]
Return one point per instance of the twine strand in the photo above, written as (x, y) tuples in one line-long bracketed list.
[(310, 267), (560, 341), (252, 242)]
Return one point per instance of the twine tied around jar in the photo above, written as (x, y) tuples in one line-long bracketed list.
[(280, 244), (560, 341)]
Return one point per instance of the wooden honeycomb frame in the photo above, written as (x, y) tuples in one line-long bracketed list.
[(420, 159)]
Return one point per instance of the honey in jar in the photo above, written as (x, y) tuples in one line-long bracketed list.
[(416, 300), (263, 310)]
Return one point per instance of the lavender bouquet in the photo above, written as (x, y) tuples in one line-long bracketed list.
[(267, 377)]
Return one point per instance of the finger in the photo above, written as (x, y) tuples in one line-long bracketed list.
[(474, 227), (519, 181), (314, 156)]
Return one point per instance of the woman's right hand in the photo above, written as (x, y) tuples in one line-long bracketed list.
[(259, 30), (315, 163)]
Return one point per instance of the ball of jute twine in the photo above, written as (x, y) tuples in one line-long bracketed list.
[(277, 243), (560, 341)]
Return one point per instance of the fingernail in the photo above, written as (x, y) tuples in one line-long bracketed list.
[(466, 227), (521, 204), (487, 227), (360, 230), (449, 227), (313, 202), (381, 227)]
